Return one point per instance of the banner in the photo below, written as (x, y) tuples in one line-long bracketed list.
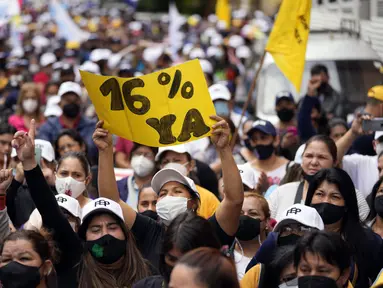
[(288, 39), (67, 28), (167, 107), (223, 11)]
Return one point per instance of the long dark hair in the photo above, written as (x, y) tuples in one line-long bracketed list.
[(121, 274), (371, 200), (352, 229), (186, 232), (213, 269)]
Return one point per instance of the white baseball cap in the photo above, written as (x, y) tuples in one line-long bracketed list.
[(187, 48), (219, 92), (235, 41), (378, 134), (91, 67), (70, 204), (302, 214), (69, 86), (169, 174), (197, 53), (53, 108), (99, 205), (299, 154), (135, 26), (47, 151), (216, 39), (100, 54), (176, 148), (247, 175), (47, 59), (206, 66), (243, 52)]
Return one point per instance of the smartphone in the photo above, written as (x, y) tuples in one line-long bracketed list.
[(373, 125), (38, 155)]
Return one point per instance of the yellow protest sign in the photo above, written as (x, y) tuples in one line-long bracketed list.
[(168, 107)]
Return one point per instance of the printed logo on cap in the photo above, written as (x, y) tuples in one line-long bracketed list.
[(293, 210), (259, 122), (61, 199), (101, 203)]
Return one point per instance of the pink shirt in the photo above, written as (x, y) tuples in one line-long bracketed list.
[(124, 146), (17, 121)]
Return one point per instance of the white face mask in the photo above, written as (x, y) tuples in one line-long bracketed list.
[(170, 207), (69, 186), (379, 148), (30, 105), (142, 166), (179, 167)]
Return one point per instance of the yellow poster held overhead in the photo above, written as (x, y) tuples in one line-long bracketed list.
[(168, 107), (288, 39)]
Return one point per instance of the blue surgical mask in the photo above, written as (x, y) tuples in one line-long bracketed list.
[(222, 108)]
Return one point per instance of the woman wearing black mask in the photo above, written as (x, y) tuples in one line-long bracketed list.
[(110, 257), (27, 259), (269, 167), (375, 201), (322, 260), (252, 231), (332, 194)]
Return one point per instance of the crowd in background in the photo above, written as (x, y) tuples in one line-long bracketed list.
[(297, 203)]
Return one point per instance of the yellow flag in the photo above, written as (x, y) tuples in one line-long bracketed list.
[(223, 11), (288, 40), (167, 107)]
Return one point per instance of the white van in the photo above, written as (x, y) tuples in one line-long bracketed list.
[(352, 66)]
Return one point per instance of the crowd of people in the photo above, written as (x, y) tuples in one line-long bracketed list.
[(298, 203)]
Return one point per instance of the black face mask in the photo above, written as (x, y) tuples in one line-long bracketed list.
[(107, 249), (322, 88), (307, 177), (285, 115), (249, 228), (264, 151), (378, 205), (329, 213), (151, 214), (71, 110), (248, 145), (16, 275), (316, 282), (288, 240)]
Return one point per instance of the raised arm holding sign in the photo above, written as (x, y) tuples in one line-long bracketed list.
[(168, 107)]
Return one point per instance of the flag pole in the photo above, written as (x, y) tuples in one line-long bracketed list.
[(248, 100)]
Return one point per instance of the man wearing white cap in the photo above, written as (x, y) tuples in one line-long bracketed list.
[(71, 118), (179, 158), (224, 104), (296, 221)]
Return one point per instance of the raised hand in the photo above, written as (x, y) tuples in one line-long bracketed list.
[(24, 143), (221, 133), (5, 179), (357, 127), (102, 138), (314, 84)]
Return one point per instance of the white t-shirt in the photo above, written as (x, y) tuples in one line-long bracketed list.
[(363, 171), (241, 262), (284, 196), (274, 177)]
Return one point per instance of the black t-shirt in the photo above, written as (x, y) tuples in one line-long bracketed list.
[(149, 234)]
